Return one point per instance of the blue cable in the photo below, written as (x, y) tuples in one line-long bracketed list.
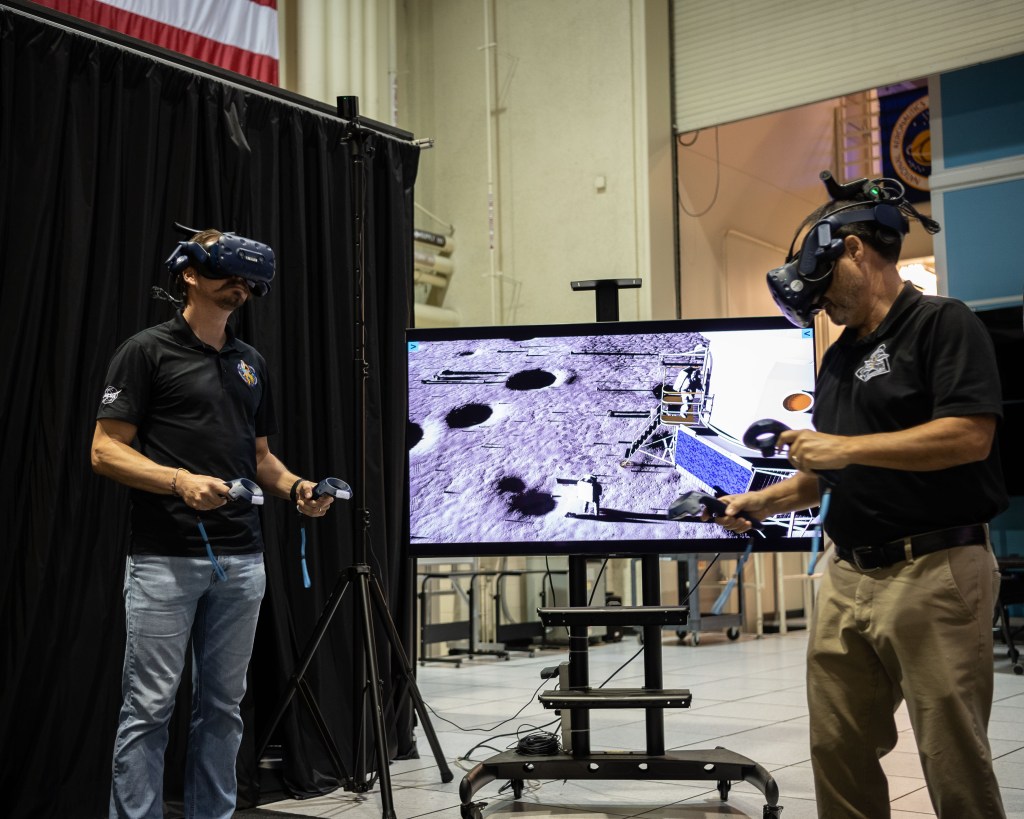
[(826, 496), (209, 552), (723, 598), (305, 573)]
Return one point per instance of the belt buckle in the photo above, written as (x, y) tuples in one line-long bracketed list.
[(858, 553)]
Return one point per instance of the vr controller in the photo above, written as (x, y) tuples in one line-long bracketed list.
[(239, 489), (230, 256), (691, 504), (764, 435), (335, 487), (245, 490)]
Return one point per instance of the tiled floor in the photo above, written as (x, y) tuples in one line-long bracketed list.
[(748, 696)]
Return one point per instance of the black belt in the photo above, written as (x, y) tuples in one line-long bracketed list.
[(867, 558)]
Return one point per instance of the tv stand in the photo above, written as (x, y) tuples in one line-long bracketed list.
[(718, 765)]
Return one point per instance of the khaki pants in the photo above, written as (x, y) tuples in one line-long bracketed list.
[(921, 632)]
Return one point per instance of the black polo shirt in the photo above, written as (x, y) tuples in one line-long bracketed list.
[(198, 408), (930, 358)]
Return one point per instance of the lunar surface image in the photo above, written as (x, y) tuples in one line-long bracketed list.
[(555, 443)]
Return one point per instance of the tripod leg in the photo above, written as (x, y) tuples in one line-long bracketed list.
[(410, 680), (379, 732), (324, 731), (307, 657)]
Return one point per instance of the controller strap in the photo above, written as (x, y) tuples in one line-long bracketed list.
[(731, 584), (209, 552), (302, 556), (826, 498)]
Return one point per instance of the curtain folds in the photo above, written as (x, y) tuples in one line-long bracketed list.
[(102, 149)]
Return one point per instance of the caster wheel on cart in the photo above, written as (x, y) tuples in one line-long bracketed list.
[(724, 786), (772, 811), (473, 810), (517, 788), (1018, 668), (690, 638), (733, 633)]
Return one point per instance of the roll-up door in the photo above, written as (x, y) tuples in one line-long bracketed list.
[(734, 59)]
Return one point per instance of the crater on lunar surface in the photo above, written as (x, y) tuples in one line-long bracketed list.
[(468, 415), (532, 503), (510, 483), (413, 434), (530, 380)]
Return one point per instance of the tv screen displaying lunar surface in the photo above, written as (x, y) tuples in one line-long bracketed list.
[(582, 439)]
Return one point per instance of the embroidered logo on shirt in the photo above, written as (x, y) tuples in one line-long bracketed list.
[(110, 395), (875, 364), (248, 373)]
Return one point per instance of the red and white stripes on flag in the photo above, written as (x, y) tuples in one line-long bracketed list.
[(240, 35)]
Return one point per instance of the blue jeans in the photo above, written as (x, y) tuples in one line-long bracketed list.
[(167, 600)]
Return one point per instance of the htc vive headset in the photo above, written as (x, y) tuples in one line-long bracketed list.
[(231, 255), (799, 286)]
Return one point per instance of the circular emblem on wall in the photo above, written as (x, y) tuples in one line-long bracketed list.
[(910, 145)]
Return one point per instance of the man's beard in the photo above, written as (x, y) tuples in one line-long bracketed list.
[(230, 298)]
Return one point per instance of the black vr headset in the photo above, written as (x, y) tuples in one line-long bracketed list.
[(799, 286), (230, 256)]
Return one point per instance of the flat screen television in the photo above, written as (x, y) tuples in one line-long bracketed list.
[(576, 439)]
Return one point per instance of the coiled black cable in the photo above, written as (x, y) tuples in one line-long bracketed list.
[(539, 744)]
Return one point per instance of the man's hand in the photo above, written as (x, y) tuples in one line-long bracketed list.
[(306, 505), (201, 492), (810, 450), (752, 503), (790, 495)]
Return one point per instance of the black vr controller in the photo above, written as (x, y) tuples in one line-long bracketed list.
[(335, 487), (245, 490), (692, 505), (764, 435)]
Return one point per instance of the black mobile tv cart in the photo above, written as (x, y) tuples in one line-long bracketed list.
[(718, 764)]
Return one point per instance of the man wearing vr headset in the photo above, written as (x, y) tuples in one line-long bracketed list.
[(906, 409), (187, 408)]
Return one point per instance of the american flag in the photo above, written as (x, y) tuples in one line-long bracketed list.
[(240, 35)]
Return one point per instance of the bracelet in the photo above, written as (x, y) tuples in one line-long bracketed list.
[(293, 494), (174, 480)]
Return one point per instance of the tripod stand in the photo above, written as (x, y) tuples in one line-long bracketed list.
[(369, 598)]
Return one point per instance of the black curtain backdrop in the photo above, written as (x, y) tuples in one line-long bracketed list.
[(102, 147)]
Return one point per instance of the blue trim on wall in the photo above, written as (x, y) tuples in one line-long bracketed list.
[(982, 227), (983, 112)]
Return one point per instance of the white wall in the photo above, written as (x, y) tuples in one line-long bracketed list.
[(573, 102), (766, 170), (764, 189)]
